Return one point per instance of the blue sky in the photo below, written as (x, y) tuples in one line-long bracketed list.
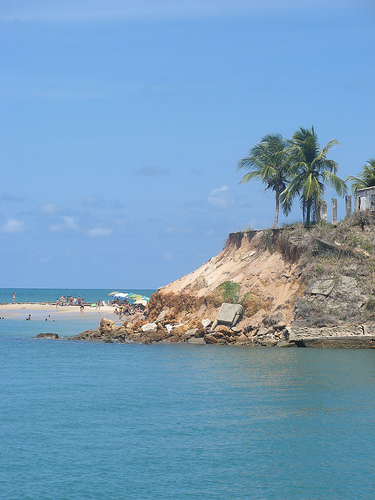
[(122, 123)]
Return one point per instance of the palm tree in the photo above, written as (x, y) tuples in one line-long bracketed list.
[(310, 171), (267, 161), (366, 178)]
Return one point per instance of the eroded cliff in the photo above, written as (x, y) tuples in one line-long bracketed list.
[(293, 283)]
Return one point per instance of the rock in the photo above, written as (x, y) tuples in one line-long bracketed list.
[(295, 333), (223, 331), (161, 316), (340, 336), (174, 339), (154, 336), (368, 329), (105, 327), (196, 340), (348, 286), (285, 343), (280, 326), (263, 332), (87, 334), (352, 342), (270, 320), (268, 342), (228, 315), (211, 339), (206, 323), (53, 336), (191, 333), (121, 330), (321, 287), (242, 340), (149, 328)]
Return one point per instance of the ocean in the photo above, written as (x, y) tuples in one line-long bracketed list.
[(90, 295), (126, 421)]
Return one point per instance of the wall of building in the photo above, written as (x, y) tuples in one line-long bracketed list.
[(364, 199)]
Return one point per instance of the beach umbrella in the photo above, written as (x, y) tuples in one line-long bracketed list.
[(143, 302), (135, 296), (146, 298), (113, 293), (120, 295)]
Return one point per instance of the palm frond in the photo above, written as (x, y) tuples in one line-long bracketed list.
[(338, 184)]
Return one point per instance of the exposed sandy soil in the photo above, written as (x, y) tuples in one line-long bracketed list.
[(268, 275)]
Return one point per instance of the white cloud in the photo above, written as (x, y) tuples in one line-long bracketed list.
[(99, 232), (69, 224), (13, 226), (222, 198), (94, 201), (49, 208)]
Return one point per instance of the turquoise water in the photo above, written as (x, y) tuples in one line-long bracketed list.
[(51, 294), (111, 421)]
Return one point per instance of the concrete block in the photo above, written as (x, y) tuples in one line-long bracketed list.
[(228, 315)]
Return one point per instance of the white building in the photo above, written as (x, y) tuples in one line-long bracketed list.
[(364, 199)]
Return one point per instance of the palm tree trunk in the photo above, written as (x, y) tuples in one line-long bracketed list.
[(275, 224), (308, 210)]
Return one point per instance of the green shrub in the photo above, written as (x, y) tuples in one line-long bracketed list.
[(268, 241), (229, 291)]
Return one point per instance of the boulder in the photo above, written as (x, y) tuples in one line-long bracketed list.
[(196, 340), (105, 327), (161, 316), (242, 340), (53, 336), (149, 328), (321, 287), (223, 330), (268, 342), (190, 333), (206, 323), (285, 343), (228, 315), (154, 336), (210, 339)]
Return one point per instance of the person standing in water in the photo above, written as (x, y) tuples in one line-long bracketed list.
[(14, 298)]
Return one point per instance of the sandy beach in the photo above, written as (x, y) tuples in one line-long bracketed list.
[(43, 311)]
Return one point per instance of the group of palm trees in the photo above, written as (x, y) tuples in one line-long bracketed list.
[(297, 167)]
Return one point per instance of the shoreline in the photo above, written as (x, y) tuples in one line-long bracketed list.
[(46, 310)]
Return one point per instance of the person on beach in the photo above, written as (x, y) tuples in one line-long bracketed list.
[(14, 298), (98, 305), (28, 318), (82, 306), (57, 303)]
